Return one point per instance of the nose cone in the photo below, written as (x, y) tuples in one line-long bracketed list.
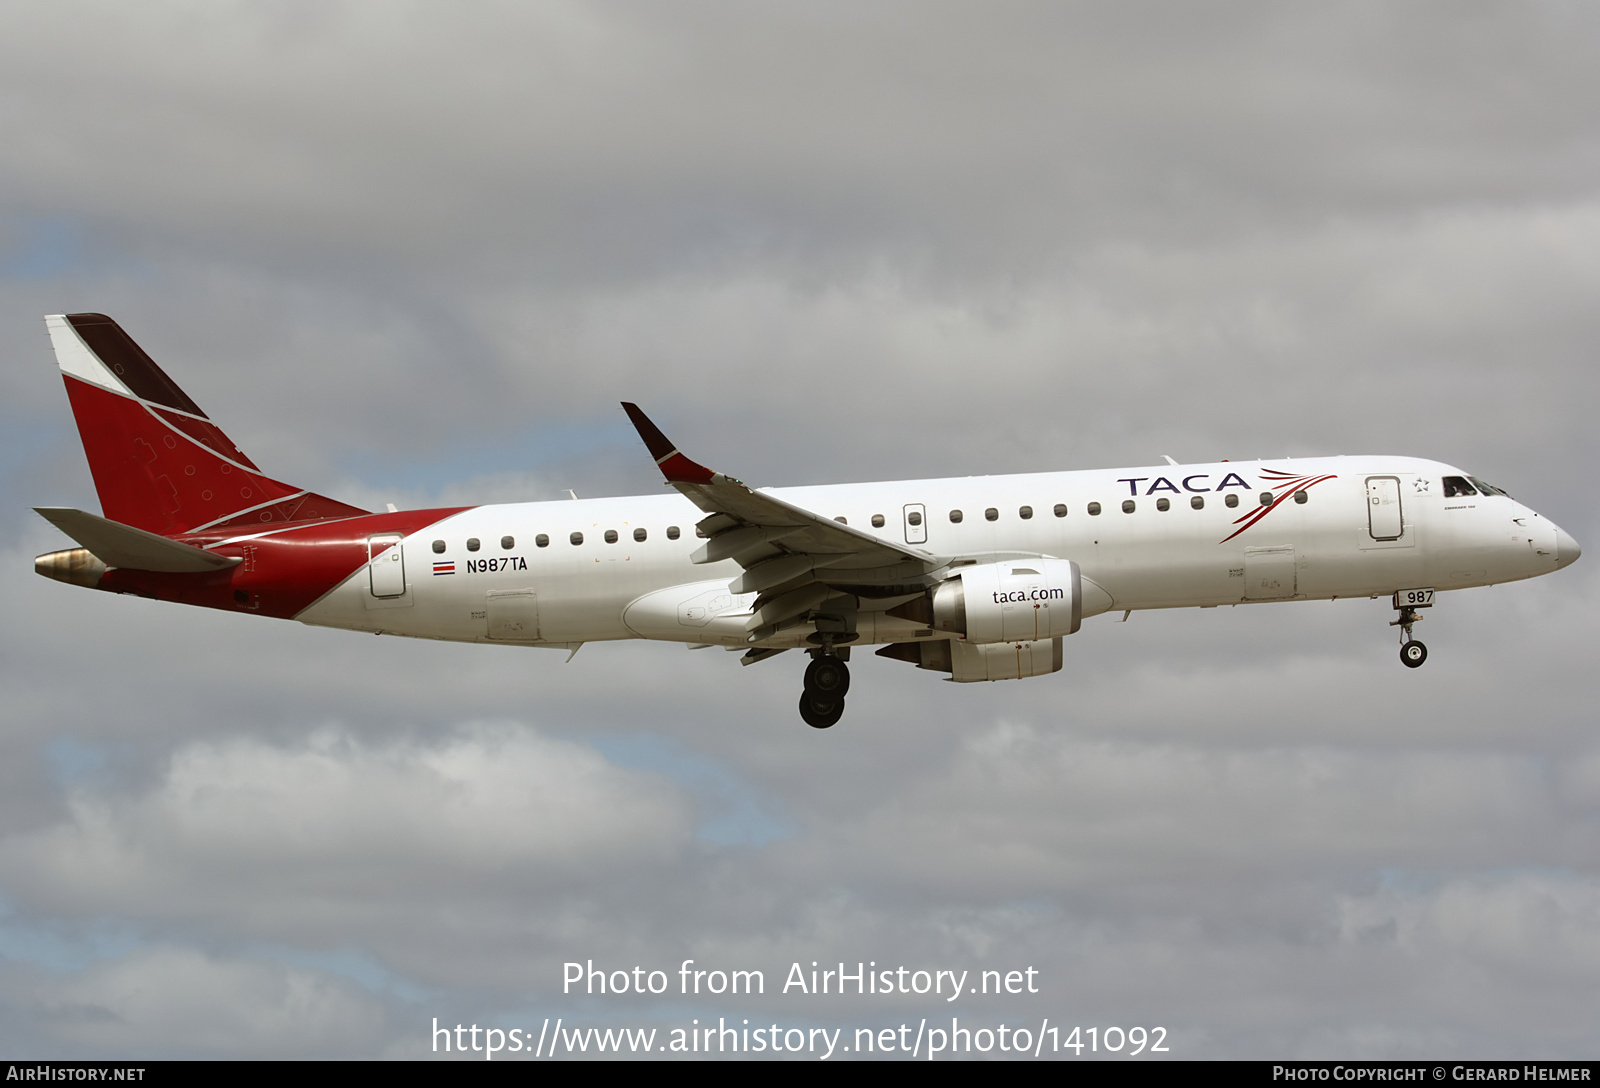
[(1567, 549)]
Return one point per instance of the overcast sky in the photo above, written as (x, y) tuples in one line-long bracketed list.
[(416, 254)]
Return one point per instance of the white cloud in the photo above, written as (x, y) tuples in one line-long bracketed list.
[(165, 1000), (281, 834)]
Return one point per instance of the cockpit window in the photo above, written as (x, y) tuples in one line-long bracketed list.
[(1487, 489), (1456, 487)]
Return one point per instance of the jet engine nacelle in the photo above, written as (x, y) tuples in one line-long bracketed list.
[(1019, 600), (966, 662)]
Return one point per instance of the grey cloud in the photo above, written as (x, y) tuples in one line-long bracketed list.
[(402, 255), (623, 136), (494, 802), (171, 1000)]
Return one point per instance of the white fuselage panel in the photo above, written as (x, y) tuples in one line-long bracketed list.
[(1367, 526)]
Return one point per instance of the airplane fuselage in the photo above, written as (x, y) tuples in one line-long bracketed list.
[(978, 577), (593, 570)]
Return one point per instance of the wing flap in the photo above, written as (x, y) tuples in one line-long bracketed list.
[(742, 541), (772, 572)]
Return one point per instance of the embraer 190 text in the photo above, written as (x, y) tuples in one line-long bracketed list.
[(979, 578)]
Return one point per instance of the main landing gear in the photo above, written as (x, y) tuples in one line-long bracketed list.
[(827, 680), (1412, 652)]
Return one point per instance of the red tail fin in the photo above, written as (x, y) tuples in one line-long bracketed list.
[(159, 464)]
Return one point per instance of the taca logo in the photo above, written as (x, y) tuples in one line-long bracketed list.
[(1286, 482)]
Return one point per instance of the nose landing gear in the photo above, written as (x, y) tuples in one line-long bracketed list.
[(1406, 602), (826, 681)]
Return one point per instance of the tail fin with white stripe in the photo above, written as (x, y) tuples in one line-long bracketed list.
[(158, 463)]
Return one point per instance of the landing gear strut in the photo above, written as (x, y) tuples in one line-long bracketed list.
[(827, 679), (1412, 652)]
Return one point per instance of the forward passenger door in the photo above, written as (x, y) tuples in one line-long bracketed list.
[(1384, 516)]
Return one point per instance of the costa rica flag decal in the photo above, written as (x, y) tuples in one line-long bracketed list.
[(444, 568)]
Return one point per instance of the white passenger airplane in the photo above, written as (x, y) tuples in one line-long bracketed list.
[(980, 578)]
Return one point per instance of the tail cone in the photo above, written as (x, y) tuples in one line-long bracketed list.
[(74, 565)]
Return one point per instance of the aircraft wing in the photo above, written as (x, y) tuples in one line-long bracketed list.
[(793, 558)]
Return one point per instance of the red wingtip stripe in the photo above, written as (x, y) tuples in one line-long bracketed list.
[(679, 469), (674, 466)]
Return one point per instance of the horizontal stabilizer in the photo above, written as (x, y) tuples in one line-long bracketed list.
[(119, 545)]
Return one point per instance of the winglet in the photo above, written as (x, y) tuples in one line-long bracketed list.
[(677, 468)]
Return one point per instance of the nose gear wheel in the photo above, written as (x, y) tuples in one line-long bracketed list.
[(1412, 652)]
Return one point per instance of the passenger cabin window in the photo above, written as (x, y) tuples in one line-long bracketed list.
[(1300, 497), (699, 532), (611, 536), (473, 543), (914, 517), (1061, 509), (991, 514), (1094, 509), (1456, 487), (1231, 501), (1128, 506), (877, 521), (1198, 502), (1266, 498), (576, 538), (542, 540), (1163, 504), (1024, 512), (438, 547), (639, 535), (508, 542), (955, 517), (672, 532), (841, 520)]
